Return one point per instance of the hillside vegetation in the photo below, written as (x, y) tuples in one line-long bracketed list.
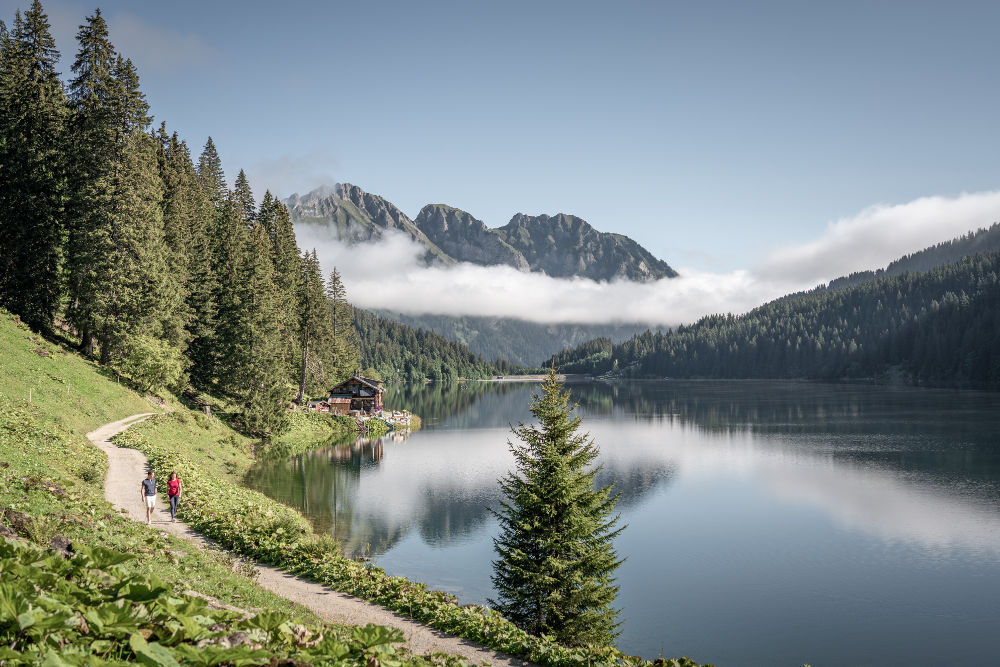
[(82, 584), (937, 328), (397, 352), (116, 239)]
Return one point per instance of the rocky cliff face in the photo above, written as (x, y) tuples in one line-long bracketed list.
[(561, 246), (467, 239), (354, 215), (565, 245)]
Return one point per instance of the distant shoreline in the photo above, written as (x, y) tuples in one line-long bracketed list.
[(561, 377)]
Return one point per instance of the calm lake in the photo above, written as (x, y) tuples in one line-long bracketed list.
[(768, 523)]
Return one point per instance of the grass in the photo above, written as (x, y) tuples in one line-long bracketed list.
[(51, 494), (53, 481), (72, 392)]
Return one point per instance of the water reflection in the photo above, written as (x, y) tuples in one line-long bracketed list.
[(346, 489), (895, 463), (831, 511)]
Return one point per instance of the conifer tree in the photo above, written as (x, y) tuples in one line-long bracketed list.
[(262, 381), (316, 338), (119, 284), (273, 216), (188, 213), (211, 176), (229, 253), (32, 170), (554, 575), (243, 196), (93, 149), (345, 345)]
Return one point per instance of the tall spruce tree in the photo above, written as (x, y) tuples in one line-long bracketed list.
[(219, 367), (344, 355), (93, 150), (189, 211), (287, 262), (264, 384), (554, 575), (316, 338), (32, 170), (243, 196), (211, 176)]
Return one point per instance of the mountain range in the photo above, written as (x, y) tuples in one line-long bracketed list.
[(561, 245)]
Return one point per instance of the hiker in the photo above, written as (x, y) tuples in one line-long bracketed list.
[(148, 493), (173, 494)]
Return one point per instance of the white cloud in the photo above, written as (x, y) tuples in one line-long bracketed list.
[(880, 234), (389, 274)]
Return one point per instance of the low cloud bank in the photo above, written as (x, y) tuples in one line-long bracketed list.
[(389, 274), (880, 234)]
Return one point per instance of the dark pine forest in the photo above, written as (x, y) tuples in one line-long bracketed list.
[(939, 327)]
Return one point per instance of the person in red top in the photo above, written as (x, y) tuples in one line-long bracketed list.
[(173, 494)]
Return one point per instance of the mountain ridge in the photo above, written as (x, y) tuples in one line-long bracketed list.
[(560, 245)]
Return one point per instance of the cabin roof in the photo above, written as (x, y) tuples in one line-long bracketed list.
[(368, 382)]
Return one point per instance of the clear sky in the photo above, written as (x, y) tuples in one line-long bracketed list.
[(710, 132)]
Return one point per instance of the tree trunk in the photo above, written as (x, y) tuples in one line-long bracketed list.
[(302, 376), (105, 350), (87, 342)]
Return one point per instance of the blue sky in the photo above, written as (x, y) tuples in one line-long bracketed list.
[(710, 132)]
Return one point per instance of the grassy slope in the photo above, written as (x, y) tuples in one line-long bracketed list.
[(70, 391), (45, 441)]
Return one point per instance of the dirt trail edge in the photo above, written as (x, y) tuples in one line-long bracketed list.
[(127, 467)]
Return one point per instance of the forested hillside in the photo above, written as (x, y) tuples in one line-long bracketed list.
[(114, 239), (397, 352), (518, 341), (948, 252), (939, 328)]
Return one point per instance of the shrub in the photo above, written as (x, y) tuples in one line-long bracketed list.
[(151, 363)]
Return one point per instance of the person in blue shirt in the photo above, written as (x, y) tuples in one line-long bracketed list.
[(148, 493)]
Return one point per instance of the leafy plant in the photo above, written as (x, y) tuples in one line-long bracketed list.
[(87, 611)]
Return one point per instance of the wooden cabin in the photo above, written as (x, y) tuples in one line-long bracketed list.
[(358, 394)]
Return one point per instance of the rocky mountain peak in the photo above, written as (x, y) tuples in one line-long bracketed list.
[(560, 245), (465, 238)]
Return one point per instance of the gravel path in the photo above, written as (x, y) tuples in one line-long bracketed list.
[(127, 467)]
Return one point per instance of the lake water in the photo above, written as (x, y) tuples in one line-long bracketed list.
[(768, 523)]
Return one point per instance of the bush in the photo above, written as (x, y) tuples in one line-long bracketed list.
[(151, 363)]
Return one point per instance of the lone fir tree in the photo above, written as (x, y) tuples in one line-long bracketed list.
[(554, 575)]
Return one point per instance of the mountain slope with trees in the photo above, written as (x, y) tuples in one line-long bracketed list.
[(937, 328), (397, 352), (518, 341)]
